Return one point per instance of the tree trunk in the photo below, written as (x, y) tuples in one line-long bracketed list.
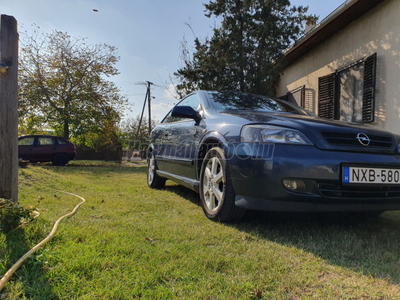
[(66, 129), (242, 55)]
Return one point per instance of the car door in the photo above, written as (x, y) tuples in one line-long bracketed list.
[(45, 148), (25, 147), (177, 141)]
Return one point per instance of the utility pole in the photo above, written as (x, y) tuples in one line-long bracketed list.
[(149, 100), (146, 98), (141, 117)]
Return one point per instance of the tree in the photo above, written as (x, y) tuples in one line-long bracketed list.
[(130, 136), (63, 84), (105, 140), (245, 52)]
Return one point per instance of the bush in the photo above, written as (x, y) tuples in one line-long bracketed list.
[(11, 215)]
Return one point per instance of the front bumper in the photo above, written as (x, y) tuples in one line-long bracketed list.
[(257, 172)]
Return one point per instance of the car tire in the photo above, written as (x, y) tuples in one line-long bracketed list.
[(60, 160), (216, 191), (153, 179)]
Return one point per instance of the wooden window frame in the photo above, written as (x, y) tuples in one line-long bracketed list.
[(329, 85)]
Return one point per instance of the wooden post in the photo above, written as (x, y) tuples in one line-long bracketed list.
[(149, 102), (9, 108)]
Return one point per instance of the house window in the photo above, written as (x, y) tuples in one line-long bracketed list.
[(297, 96), (349, 93), (302, 96)]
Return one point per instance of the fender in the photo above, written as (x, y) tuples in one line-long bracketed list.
[(213, 136), (151, 149)]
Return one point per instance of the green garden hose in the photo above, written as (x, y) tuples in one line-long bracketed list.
[(10, 272)]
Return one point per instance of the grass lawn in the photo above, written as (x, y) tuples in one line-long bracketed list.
[(130, 242)]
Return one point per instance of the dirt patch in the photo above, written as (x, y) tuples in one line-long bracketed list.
[(136, 163)]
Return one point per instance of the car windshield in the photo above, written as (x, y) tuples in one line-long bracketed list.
[(243, 101)]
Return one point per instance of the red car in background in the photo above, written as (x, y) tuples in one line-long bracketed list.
[(46, 148)]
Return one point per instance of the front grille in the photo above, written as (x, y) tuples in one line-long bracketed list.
[(350, 139), (337, 190)]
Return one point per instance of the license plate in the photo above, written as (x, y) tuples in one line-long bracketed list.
[(365, 175)]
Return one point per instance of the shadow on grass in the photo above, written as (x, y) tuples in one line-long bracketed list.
[(183, 192), (31, 273), (94, 167), (367, 245)]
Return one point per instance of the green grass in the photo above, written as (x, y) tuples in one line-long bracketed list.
[(130, 242)]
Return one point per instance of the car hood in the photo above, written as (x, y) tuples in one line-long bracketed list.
[(325, 134)]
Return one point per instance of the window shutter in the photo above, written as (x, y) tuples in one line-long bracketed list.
[(326, 96), (369, 89), (303, 97)]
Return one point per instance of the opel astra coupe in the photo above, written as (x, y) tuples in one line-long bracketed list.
[(243, 151)]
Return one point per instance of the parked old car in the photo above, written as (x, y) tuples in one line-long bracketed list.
[(241, 151), (44, 148)]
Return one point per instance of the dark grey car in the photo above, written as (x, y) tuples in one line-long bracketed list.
[(242, 151)]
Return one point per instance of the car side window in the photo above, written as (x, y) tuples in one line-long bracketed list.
[(61, 142), (168, 118), (28, 141), (193, 101), (45, 141)]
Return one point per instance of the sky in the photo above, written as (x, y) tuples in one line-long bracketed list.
[(147, 34)]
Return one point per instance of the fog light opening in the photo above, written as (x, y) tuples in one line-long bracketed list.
[(295, 185)]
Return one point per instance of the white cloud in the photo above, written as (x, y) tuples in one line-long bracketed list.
[(159, 110), (170, 93)]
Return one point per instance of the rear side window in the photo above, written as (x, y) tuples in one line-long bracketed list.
[(45, 141), (61, 142), (28, 141)]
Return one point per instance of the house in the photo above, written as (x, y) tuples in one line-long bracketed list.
[(348, 66)]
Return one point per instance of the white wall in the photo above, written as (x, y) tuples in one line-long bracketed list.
[(377, 31)]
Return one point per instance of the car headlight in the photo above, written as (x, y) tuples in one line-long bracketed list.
[(272, 134)]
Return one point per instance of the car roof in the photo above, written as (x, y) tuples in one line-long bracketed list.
[(42, 135), (39, 135)]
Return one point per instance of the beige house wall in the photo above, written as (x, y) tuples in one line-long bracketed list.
[(377, 31)]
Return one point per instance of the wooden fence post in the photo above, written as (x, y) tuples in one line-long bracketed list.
[(9, 108)]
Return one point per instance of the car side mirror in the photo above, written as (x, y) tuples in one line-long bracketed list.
[(186, 112)]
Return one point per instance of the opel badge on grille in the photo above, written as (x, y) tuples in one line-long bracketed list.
[(363, 139)]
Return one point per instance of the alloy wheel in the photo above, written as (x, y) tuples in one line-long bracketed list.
[(213, 184), (151, 169)]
